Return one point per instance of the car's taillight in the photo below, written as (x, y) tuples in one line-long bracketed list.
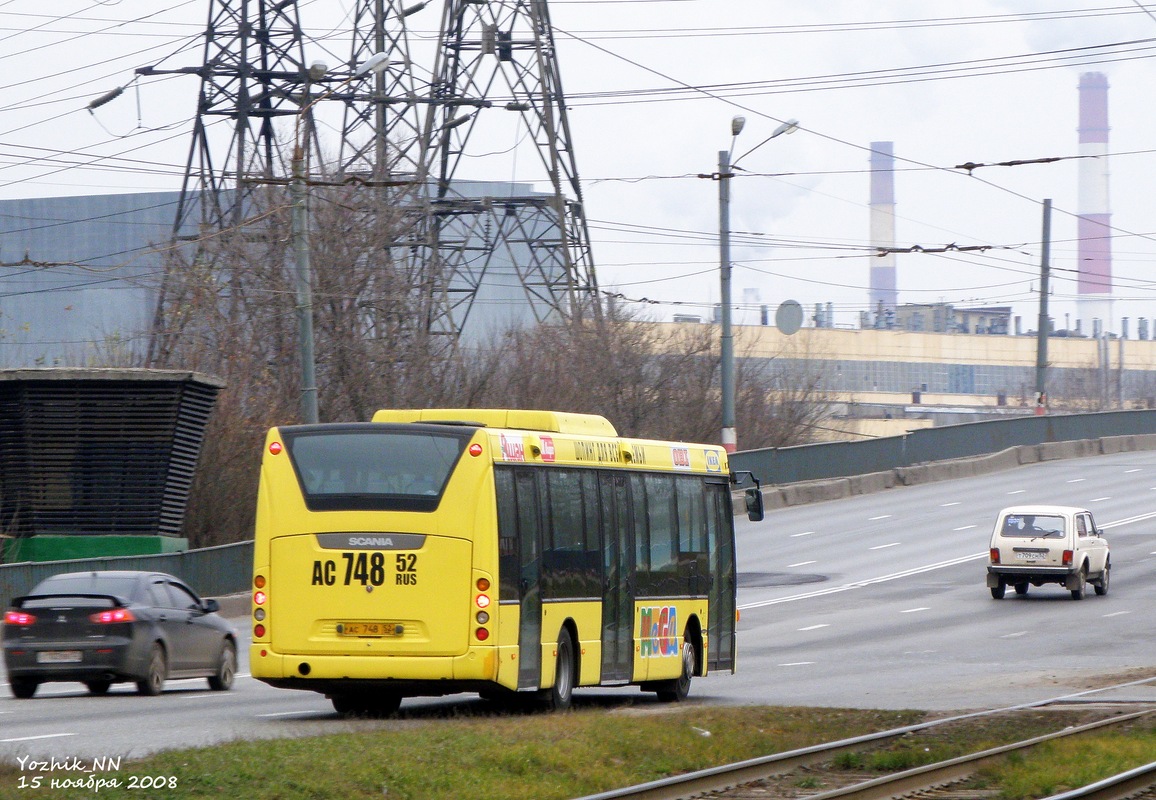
[(21, 618), (1068, 554), (112, 615), (995, 555)]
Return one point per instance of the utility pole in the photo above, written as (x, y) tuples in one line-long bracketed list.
[(1043, 325)]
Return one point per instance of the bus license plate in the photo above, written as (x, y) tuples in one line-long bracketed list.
[(58, 657), (367, 629)]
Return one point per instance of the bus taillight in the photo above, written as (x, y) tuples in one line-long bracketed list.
[(482, 634), (483, 584), (258, 631), (259, 598)]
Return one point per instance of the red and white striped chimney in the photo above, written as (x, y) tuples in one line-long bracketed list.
[(1093, 218)]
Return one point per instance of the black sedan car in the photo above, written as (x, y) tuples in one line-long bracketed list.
[(102, 628)]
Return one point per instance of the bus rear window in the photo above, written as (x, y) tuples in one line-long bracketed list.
[(364, 469)]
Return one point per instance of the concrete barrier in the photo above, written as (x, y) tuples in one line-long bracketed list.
[(794, 494)]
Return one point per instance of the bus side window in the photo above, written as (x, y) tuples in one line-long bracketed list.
[(508, 565)]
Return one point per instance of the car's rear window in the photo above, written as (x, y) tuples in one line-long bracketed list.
[(1036, 526), (88, 583)]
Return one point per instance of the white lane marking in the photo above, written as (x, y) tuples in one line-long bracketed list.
[(1077, 480), (883, 546), (1018, 491), (804, 533), (33, 738), (948, 505), (913, 610), (797, 664), (1126, 520), (881, 516), (293, 713), (965, 528), (1117, 614), (1014, 635), (907, 573), (816, 627), (800, 564), (1099, 499), (1130, 471)]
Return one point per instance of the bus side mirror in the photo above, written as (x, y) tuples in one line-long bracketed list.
[(754, 500)]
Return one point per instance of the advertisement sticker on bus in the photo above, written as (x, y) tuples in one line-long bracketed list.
[(512, 448), (547, 448), (713, 464), (680, 457), (658, 629)]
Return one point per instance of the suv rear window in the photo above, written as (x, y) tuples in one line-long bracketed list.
[(375, 468), (1047, 526)]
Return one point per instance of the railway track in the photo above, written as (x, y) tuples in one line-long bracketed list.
[(791, 774)]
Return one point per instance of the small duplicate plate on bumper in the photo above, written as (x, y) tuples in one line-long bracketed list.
[(370, 629)]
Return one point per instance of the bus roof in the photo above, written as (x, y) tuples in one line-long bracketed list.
[(519, 419)]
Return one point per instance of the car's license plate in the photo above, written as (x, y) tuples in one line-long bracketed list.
[(1030, 556), (58, 657), (368, 629)]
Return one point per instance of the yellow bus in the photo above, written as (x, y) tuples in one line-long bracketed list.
[(511, 553)]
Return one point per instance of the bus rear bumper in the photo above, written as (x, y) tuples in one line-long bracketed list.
[(407, 675)]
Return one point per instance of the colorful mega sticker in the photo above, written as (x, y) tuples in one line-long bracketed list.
[(658, 631)]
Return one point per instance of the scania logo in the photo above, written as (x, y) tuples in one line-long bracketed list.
[(370, 541)]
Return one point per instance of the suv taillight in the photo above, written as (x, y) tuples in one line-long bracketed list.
[(1068, 554), (995, 555)]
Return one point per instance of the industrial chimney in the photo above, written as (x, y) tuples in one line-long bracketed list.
[(883, 293), (1094, 270)]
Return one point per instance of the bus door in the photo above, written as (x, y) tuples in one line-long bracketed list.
[(720, 544), (617, 586), (529, 580)]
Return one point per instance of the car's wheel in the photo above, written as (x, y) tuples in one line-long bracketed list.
[(561, 693), (226, 668), (98, 687), (1021, 589), (998, 590), (1082, 585), (676, 691), (154, 681), (23, 688), (1101, 585)]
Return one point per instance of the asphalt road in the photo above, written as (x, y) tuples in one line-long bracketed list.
[(876, 601)]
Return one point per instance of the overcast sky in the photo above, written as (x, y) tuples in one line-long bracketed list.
[(653, 85)]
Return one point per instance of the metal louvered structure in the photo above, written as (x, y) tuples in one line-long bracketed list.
[(98, 461)]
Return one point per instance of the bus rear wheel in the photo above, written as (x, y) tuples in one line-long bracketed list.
[(373, 706), (677, 690), (561, 693)]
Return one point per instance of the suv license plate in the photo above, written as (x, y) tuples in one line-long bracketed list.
[(1030, 556), (58, 657)]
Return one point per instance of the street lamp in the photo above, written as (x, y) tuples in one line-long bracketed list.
[(299, 199), (725, 173)]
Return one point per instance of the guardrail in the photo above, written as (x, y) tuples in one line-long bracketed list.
[(212, 571), (811, 462)]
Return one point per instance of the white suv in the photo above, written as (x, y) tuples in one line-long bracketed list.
[(1047, 544)]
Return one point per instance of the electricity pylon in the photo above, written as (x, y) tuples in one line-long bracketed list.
[(497, 76)]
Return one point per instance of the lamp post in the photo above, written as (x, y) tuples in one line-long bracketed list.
[(729, 437), (299, 199)]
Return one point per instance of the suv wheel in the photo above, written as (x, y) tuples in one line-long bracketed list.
[(997, 591), (1101, 585), (1082, 586)]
